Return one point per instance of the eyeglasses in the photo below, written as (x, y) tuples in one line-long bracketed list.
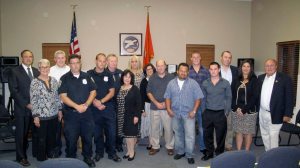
[(44, 67), (148, 69)]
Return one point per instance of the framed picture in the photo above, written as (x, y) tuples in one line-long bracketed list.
[(131, 44)]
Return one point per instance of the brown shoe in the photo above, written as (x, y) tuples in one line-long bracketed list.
[(170, 152), (24, 162), (153, 151)]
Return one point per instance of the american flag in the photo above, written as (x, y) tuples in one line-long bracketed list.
[(74, 45)]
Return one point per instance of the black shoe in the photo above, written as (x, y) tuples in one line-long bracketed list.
[(119, 149), (125, 156), (207, 157), (89, 162), (178, 156), (191, 160), (131, 158), (115, 158), (98, 157), (203, 151), (24, 162), (149, 147)]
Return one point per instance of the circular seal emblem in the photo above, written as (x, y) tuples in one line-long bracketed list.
[(131, 44)]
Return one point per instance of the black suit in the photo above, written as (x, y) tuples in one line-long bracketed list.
[(229, 135), (281, 103), (19, 86)]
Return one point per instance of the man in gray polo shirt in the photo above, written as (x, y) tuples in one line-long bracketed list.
[(217, 105), (156, 88)]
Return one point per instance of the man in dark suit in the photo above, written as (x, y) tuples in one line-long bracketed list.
[(276, 103), (230, 73), (19, 86)]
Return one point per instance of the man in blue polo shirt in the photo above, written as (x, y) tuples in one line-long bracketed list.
[(77, 92), (103, 110)]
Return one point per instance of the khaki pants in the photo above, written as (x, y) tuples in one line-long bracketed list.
[(229, 135), (161, 117)]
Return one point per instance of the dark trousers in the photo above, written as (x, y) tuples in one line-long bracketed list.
[(58, 138), (46, 138), (34, 139), (79, 124), (214, 120), (105, 124), (21, 138)]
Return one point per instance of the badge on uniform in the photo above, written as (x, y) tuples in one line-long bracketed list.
[(105, 79), (84, 81)]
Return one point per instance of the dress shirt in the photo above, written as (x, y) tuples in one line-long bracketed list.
[(266, 92), (226, 74)]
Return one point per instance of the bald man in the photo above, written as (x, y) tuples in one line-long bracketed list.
[(157, 86), (275, 103)]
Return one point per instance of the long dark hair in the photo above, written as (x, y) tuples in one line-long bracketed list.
[(250, 75)]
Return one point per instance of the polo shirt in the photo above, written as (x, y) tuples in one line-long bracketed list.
[(157, 87)]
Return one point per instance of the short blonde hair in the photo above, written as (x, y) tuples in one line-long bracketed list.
[(100, 54), (111, 55), (59, 52), (138, 61), (44, 62)]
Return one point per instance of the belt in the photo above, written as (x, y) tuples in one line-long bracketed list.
[(216, 110)]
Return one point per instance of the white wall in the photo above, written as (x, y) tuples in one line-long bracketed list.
[(174, 23)]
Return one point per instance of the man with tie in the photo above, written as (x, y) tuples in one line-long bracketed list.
[(19, 86), (275, 104)]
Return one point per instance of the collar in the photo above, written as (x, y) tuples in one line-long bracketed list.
[(25, 66)]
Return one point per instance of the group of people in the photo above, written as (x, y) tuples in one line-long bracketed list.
[(106, 105)]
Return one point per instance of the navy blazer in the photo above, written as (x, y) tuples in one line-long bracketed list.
[(19, 86), (281, 103)]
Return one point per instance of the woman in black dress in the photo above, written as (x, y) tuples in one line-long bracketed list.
[(129, 112), (243, 104)]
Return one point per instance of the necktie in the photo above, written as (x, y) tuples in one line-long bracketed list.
[(29, 74)]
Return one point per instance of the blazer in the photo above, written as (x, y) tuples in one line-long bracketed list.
[(281, 103), (133, 103), (234, 72), (19, 86)]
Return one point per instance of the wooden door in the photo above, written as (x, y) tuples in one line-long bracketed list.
[(50, 48), (207, 53)]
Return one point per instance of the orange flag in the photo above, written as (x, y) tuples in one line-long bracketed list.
[(148, 50)]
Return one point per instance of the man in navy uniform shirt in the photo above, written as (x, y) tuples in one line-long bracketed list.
[(77, 92), (103, 110)]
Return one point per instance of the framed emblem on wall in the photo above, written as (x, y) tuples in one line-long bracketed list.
[(131, 44)]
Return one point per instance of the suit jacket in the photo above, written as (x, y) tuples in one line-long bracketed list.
[(281, 103), (235, 74), (19, 86)]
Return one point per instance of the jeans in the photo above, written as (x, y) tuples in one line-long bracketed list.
[(200, 128), (105, 123), (79, 124), (184, 129)]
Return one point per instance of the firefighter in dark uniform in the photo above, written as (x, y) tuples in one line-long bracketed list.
[(103, 110), (77, 91), (112, 68)]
